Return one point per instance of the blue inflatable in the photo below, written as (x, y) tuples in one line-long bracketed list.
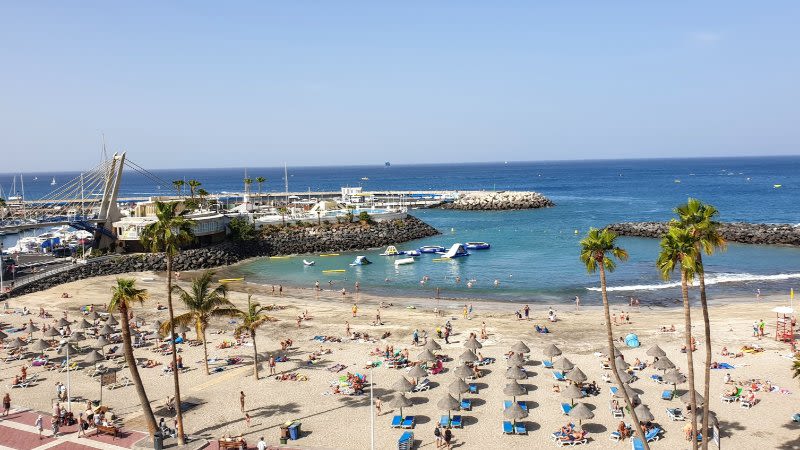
[(632, 340)]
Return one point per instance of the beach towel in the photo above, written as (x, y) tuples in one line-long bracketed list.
[(632, 340), (724, 365)]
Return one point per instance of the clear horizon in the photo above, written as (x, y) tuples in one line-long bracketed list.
[(260, 84)]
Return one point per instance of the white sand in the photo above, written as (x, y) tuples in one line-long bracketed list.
[(336, 421)]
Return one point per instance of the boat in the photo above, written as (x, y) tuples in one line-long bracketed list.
[(360, 261), (432, 249), (410, 252), (387, 164), (53, 183), (777, 186), (308, 263), (390, 251), (403, 261), (456, 251), (477, 245), (364, 179)]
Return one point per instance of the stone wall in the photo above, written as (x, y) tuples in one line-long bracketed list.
[(273, 242), (496, 201), (746, 233)]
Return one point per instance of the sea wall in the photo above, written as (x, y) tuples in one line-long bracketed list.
[(497, 201), (272, 242), (746, 233)]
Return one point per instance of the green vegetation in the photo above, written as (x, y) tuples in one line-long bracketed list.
[(251, 320), (179, 186), (193, 185), (364, 217), (241, 229)]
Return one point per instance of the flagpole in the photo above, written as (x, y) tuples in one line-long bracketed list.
[(371, 409)]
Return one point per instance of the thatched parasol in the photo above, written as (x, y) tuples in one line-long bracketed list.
[(552, 351), (581, 412), (563, 364), (515, 360), (399, 401), (576, 375), (426, 356), (656, 351), (16, 343), (463, 371), (643, 413), (106, 330), (664, 363), (520, 347), (62, 322), (516, 373), (101, 342), (687, 398), (458, 387), (417, 372), (448, 403), (52, 332), (30, 328), (432, 345), (84, 325), (468, 356), (402, 385), (472, 343), (572, 392), (93, 357), (515, 412), (513, 388), (112, 321)]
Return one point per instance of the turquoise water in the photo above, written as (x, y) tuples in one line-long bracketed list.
[(534, 254)]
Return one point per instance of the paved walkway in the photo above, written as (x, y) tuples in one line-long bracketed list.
[(18, 433)]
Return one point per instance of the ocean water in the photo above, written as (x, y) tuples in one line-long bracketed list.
[(534, 254)]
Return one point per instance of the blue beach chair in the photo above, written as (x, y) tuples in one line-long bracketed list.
[(408, 422), (444, 421), (455, 422), (507, 427), (667, 394), (547, 364), (473, 388), (466, 404), (559, 376), (566, 408), (520, 428), (397, 421)]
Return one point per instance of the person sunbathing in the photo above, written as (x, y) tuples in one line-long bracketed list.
[(725, 351), (622, 429), (476, 372), (575, 435)]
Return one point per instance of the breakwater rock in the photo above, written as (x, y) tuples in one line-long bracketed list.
[(272, 242), (497, 201), (746, 233)]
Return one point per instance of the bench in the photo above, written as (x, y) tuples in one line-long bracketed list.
[(237, 445), (112, 430)]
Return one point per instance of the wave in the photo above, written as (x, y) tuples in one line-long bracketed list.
[(710, 280)]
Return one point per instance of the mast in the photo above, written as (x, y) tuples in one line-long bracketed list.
[(286, 182), (22, 183)]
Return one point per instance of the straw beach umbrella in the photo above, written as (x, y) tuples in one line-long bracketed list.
[(52, 332), (576, 375), (3, 336), (93, 357), (572, 392), (513, 388), (624, 376), (515, 412), (674, 377), (93, 316), (448, 403), (30, 328), (112, 321), (402, 385), (426, 356), (631, 394), (40, 345), (563, 364), (581, 412), (75, 337), (472, 343), (656, 352), (62, 322), (417, 372), (520, 347), (463, 371), (663, 363), (552, 351), (67, 350), (101, 342), (399, 401), (16, 343), (458, 387), (515, 360), (687, 398), (432, 345), (515, 373), (106, 330), (643, 413), (84, 325), (468, 357)]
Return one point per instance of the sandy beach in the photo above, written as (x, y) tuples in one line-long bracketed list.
[(342, 421)]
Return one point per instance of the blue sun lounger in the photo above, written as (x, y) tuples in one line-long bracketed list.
[(636, 444), (444, 421), (508, 428), (507, 404), (406, 441), (397, 421), (559, 376), (408, 422), (520, 428), (547, 364), (653, 435), (566, 408), (667, 394), (473, 388), (613, 390), (466, 404), (455, 422)]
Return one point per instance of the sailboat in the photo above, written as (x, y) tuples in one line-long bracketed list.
[(53, 182)]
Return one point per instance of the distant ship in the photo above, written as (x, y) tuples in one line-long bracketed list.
[(53, 183), (387, 164)]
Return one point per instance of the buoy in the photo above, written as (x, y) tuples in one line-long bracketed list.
[(576, 231), (330, 254), (334, 271)]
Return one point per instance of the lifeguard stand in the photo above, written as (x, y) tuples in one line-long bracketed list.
[(784, 330)]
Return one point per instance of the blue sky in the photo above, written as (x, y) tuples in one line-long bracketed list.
[(213, 84)]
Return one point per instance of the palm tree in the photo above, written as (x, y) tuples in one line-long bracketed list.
[(203, 302), (167, 235), (698, 219), (179, 186), (260, 181), (252, 319), (282, 210), (247, 183), (123, 297), (678, 251), (598, 250), (193, 185), (202, 193)]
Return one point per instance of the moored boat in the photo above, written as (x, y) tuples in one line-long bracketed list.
[(477, 245)]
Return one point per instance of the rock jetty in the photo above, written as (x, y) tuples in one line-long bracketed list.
[(497, 201), (273, 242), (745, 233)]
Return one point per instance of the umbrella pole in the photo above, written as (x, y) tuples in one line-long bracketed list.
[(371, 409), (69, 396)]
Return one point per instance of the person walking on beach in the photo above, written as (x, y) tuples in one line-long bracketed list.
[(378, 404), (262, 445), (358, 286), (577, 302), (54, 425), (39, 425), (469, 312), (272, 365), (81, 426), (378, 317), (355, 307), (527, 311), (437, 432), (755, 328), (316, 286), (448, 438), (241, 399), (761, 325), (347, 328), (758, 294), (280, 290), (6, 404), (446, 335), (247, 420), (465, 311), (415, 337)]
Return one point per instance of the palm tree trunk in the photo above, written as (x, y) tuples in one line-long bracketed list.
[(707, 366), (613, 363), (205, 351), (175, 379), (687, 321), (127, 348), (255, 354)]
